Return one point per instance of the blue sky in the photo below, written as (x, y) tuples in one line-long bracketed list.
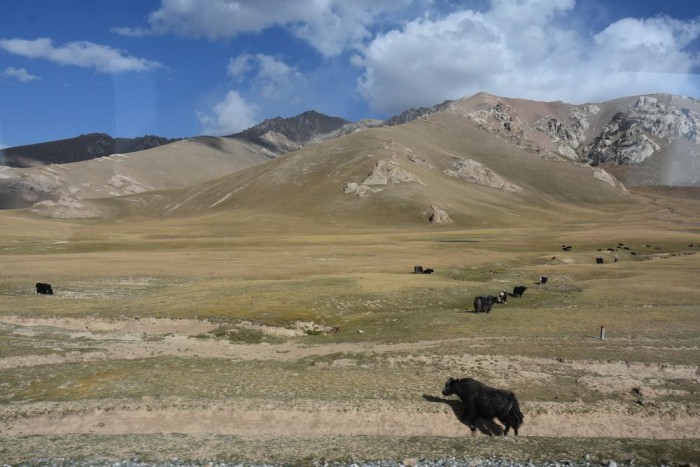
[(179, 68)]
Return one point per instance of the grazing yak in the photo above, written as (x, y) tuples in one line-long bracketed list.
[(43, 288), (503, 297), (420, 270), (519, 290), (599, 261), (484, 304), (482, 401), (543, 279)]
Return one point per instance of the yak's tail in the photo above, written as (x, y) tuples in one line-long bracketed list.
[(515, 415)]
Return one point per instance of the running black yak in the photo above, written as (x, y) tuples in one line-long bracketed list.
[(482, 401)]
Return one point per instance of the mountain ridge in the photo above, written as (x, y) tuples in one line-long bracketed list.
[(441, 168), (76, 149), (649, 140)]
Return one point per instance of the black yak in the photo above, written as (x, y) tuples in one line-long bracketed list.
[(43, 288), (484, 304), (482, 401)]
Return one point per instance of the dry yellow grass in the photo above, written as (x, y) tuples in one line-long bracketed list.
[(400, 333)]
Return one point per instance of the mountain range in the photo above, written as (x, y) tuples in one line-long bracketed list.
[(448, 163), (80, 148)]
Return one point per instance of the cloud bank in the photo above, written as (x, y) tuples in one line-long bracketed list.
[(329, 26), (525, 49), (101, 58)]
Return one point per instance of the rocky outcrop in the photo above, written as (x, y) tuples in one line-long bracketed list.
[(353, 127), (418, 161), (125, 185), (499, 118), (29, 188), (439, 215), (383, 173), (359, 189), (64, 208), (278, 142), (416, 113), (637, 133), (605, 177), (474, 172), (569, 135)]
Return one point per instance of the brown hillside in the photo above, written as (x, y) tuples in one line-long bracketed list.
[(181, 163), (405, 171)]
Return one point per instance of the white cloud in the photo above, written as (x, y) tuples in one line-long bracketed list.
[(651, 45), (240, 66), (269, 76), (327, 25), (84, 54), (231, 115), (525, 48), (20, 74), (429, 61)]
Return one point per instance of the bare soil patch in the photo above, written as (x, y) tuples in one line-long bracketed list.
[(634, 403)]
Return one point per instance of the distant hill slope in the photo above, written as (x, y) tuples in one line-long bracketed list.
[(442, 168), (62, 188), (80, 148)]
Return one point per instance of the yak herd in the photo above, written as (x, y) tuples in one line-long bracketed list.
[(484, 303), (482, 402)]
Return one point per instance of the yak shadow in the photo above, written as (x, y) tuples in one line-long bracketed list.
[(487, 427)]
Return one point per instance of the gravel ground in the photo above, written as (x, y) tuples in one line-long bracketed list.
[(410, 462)]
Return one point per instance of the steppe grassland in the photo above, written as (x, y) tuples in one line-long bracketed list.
[(360, 280)]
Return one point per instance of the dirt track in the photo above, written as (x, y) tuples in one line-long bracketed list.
[(324, 421), (427, 415)]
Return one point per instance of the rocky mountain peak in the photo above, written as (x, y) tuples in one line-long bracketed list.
[(637, 133), (415, 113), (295, 132)]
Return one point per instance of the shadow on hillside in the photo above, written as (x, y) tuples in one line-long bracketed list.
[(211, 141), (487, 427)]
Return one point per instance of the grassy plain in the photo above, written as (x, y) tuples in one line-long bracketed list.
[(202, 338)]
